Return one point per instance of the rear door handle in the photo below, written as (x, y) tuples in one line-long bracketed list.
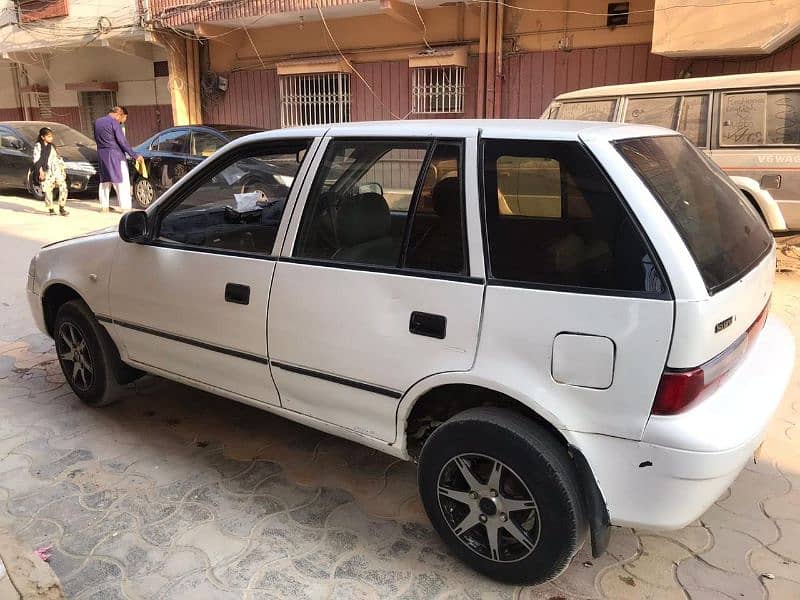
[(428, 325), (237, 293)]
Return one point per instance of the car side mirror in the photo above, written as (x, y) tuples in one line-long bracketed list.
[(133, 226)]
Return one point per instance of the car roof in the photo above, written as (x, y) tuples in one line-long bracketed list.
[(695, 84), (537, 129), (33, 123)]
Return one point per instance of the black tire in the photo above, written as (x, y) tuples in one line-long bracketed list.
[(35, 189), (93, 379), (143, 192), (532, 465)]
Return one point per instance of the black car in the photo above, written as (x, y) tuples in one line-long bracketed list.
[(172, 153), (17, 139)]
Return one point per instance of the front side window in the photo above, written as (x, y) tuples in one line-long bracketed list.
[(719, 227), (760, 118), (687, 114), (205, 143), (586, 110), (553, 220), (239, 205), (172, 142), (371, 204)]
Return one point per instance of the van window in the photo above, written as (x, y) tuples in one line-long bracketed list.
[(662, 111), (588, 110), (760, 119), (721, 230), (693, 120), (687, 114), (553, 220)]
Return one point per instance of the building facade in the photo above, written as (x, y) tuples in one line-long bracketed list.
[(278, 63), (69, 61)]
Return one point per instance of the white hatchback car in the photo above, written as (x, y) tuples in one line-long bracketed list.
[(565, 323)]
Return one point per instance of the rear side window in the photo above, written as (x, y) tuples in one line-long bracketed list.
[(586, 110), (553, 220), (722, 231)]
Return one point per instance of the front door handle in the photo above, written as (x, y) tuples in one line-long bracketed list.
[(428, 325), (237, 293)]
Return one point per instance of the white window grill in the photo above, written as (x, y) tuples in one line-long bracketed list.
[(437, 90), (315, 99)]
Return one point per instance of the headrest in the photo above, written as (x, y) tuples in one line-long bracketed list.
[(362, 218), (446, 197)]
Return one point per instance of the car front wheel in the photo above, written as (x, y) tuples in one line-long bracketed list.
[(502, 493), (85, 353), (143, 192)]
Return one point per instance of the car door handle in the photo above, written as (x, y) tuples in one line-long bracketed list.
[(237, 293), (428, 325)]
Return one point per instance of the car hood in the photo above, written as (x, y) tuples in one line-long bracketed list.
[(99, 232), (75, 153)]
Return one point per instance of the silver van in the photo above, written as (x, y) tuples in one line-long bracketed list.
[(748, 124)]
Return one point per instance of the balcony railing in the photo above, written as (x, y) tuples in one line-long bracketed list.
[(36, 10), (175, 13)]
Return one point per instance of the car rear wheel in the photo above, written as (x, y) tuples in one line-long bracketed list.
[(143, 192), (86, 354), (35, 190), (502, 493)]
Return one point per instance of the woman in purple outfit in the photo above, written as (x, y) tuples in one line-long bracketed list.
[(111, 150)]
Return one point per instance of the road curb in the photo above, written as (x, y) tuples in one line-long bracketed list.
[(30, 576)]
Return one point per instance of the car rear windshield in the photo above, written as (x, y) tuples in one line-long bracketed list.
[(62, 135), (719, 226)]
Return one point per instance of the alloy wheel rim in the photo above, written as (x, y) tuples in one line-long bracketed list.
[(144, 192), (488, 508), (73, 352)]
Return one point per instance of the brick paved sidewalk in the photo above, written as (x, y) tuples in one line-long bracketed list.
[(174, 493)]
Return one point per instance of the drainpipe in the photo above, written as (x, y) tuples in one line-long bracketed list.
[(498, 50), (491, 61), (480, 107)]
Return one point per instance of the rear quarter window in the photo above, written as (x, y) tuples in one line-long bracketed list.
[(587, 110), (725, 236)]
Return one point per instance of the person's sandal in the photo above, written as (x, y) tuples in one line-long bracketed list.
[(52, 212), (63, 211)]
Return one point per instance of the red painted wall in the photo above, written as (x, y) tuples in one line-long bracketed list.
[(533, 79), (252, 99), (10, 114)]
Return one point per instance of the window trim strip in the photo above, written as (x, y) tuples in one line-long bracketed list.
[(312, 262)]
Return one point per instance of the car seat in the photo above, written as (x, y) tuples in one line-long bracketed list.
[(363, 227)]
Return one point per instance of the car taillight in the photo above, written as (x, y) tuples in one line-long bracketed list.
[(680, 388)]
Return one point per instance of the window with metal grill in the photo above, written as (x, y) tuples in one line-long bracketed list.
[(437, 90), (315, 99)]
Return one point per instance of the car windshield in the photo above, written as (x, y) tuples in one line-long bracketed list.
[(62, 135), (720, 228)]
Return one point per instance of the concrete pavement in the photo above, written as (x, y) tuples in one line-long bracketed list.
[(174, 493)]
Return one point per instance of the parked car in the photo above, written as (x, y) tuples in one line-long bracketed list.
[(17, 139), (748, 124), (172, 153), (565, 324)]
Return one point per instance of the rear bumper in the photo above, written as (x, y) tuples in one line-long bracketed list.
[(686, 461)]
